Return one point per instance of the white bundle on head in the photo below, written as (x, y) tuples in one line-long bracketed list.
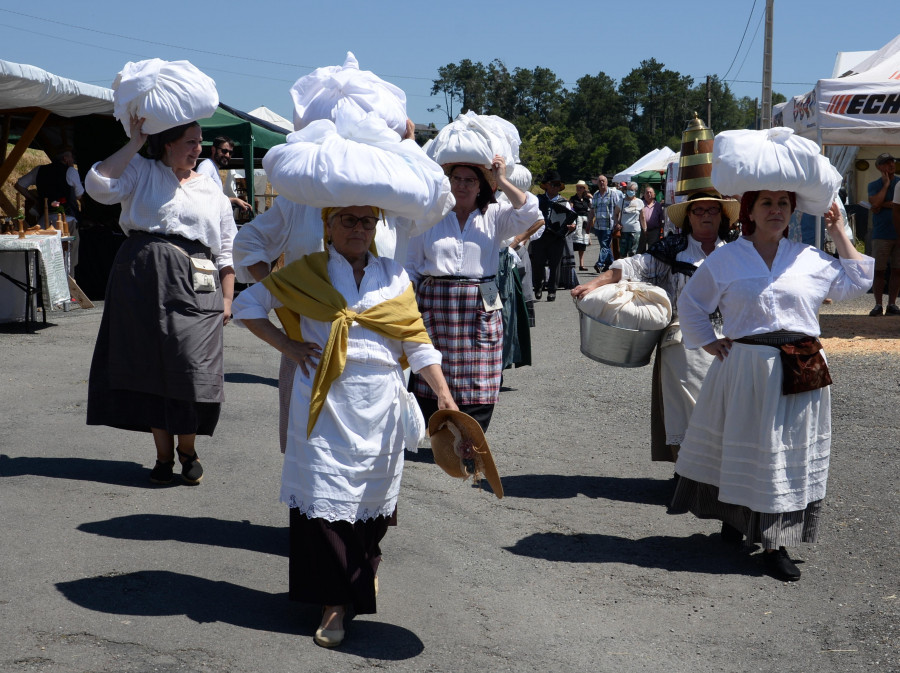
[(165, 93), (501, 127), (473, 139), (316, 95), (774, 160), (357, 160), (521, 178)]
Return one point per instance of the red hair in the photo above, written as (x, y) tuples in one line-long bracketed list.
[(748, 200)]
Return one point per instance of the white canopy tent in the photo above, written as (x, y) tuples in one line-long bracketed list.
[(264, 113), (643, 164)]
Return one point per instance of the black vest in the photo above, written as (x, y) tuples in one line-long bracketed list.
[(51, 185)]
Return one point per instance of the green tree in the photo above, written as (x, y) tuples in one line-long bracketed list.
[(463, 87)]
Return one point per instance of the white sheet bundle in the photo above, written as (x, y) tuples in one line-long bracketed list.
[(630, 305), (165, 93), (357, 160), (475, 139), (774, 159), (316, 95)]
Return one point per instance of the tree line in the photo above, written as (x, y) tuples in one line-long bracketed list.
[(600, 125)]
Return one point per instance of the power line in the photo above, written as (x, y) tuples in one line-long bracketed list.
[(750, 46), (752, 9)]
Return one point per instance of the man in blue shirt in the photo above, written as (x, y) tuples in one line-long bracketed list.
[(606, 206), (885, 245)]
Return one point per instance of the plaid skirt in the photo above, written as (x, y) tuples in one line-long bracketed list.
[(469, 338)]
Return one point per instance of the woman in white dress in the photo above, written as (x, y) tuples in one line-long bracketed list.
[(352, 319), (756, 453)]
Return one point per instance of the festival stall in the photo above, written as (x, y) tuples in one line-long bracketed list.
[(644, 163)]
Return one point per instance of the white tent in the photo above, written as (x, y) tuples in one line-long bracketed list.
[(661, 161), (860, 108), (643, 164), (268, 115), (25, 86)]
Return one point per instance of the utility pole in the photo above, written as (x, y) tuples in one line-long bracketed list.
[(767, 68), (708, 103)]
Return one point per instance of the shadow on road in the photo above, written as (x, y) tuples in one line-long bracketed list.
[(558, 486), (120, 472), (156, 593), (697, 553), (194, 530), (241, 377)]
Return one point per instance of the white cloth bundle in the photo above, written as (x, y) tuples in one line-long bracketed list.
[(774, 160), (165, 93), (316, 95), (521, 178), (472, 139), (630, 305), (359, 161), (501, 127)]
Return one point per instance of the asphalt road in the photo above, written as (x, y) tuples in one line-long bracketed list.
[(578, 568)]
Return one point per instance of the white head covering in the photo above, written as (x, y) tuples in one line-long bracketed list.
[(165, 93), (358, 160), (474, 139), (774, 159), (317, 94)]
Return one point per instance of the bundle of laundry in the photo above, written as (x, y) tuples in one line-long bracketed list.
[(629, 305), (165, 93)]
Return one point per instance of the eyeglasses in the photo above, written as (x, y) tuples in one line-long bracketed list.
[(466, 182), (223, 150), (349, 221), (712, 210)]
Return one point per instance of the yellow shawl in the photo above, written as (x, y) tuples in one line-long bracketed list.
[(305, 289)]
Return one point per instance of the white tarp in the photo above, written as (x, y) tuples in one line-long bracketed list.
[(859, 109), (638, 166), (661, 160), (268, 115), (24, 86)]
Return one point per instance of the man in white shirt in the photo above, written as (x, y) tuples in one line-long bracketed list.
[(220, 155)]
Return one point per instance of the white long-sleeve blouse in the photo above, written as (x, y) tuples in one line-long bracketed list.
[(154, 201), (383, 279), (754, 299), (444, 250)]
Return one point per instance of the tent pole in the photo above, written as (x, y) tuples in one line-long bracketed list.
[(9, 164), (819, 217)]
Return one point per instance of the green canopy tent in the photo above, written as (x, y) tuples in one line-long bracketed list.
[(648, 178), (252, 138)]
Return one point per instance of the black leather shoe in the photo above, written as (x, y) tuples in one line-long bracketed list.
[(779, 565), (551, 296), (598, 268), (538, 293)]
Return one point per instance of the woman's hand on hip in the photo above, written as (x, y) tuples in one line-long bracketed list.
[(719, 348), (304, 353)]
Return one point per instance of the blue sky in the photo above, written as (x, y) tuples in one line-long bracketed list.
[(259, 49)]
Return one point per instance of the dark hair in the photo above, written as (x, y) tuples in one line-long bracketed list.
[(748, 200), (485, 193), (156, 143), (218, 141)]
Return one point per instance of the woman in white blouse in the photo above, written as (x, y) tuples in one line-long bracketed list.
[(755, 454), (704, 225), (344, 456), (454, 267), (158, 364)]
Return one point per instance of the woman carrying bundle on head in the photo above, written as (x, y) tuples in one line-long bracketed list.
[(351, 324), (756, 452)]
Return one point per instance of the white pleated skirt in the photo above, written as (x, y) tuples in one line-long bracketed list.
[(763, 450), (350, 468)]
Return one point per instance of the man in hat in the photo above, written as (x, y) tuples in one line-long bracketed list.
[(547, 251), (885, 245), (605, 206)]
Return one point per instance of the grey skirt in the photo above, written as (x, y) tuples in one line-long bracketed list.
[(158, 358)]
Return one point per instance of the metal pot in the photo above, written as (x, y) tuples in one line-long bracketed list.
[(617, 346)]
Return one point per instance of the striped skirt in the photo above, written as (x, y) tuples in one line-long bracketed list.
[(469, 338)]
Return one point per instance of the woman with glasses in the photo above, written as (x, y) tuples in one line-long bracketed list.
[(454, 267), (705, 223), (344, 458)]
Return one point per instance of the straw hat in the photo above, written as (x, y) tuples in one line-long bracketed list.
[(449, 431), (677, 212)]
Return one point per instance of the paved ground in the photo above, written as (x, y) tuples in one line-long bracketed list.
[(578, 568)]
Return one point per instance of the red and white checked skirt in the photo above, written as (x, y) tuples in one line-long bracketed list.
[(469, 338)]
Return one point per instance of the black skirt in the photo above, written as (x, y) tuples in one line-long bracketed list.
[(335, 562), (158, 359)]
